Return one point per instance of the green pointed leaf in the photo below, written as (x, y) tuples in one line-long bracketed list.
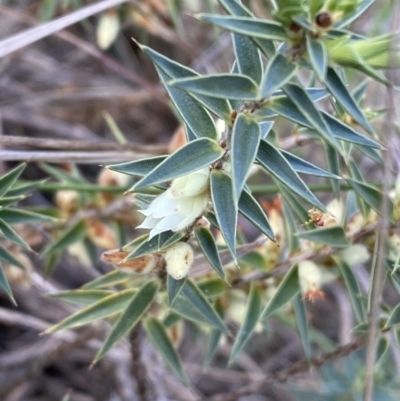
[(197, 298), (6, 286), (369, 194), (224, 207), (212, 288), (252, 210), (332, 236), (105, 307), (287, 290), (160, 340), (305, 105), (174, 287), (225, 86), (279, 71), (111, 279), (7, 180), (62, 175), (81, 297), (382, 350), (296, 204), (352, 289), (291, 228), (191, 157), (337, 88), (304, 167), (394, 317), (212, 346), (9, 233), (302, 325), (318, 57), (277, 165), (7, 257), (249, 323), (353, 16), (130, 317), (248, 58), (245, 140), (220, 107), (138, 168), (209, 248), (23, 188), (247, 26), (153, 244), (265, 127), (9, 200), (19, 216), (68, 237)]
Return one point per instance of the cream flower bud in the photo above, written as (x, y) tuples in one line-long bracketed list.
[(179, 258), (396, 200), (355, 254), (107, 29), (310, 280), (191, 185)]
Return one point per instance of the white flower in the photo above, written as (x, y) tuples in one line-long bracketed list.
[(180, 205), (355, 254), (179, 259)]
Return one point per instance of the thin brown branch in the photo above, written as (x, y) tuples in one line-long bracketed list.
[(284, 375)]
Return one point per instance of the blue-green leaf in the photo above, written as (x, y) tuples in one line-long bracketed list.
[(332, 236), (252, 210), (209, 248), (291, 228), (81, 297), (7, 180), (18, 216), (353, 16), (197, 118), (5, 285), (369, 194), (130, 317), (265, 127), (197, 298), (138, 168), (175, 70), (318, 57), (305, 167), (334, 166), (109, 279), (245, 140), (225, 207), (279, 71), (248, 26), (173, 288), (305, 105), (159, 338), (337, 88), (225, 86), (273, 161), (248, 58), (302, 325), (191, 157), (9, 233), (287, 290), (249, 323)]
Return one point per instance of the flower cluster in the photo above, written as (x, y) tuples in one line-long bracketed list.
[(180, 205)]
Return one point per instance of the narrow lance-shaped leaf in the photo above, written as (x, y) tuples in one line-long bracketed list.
[(332, 236), (130, 317), (248, 26), (9, 233), (273, 161), (279, 71), (337, 88), (334, 166), (225, 207), (101, 309), (251, 209), (209, 248), (318, 57), (305, 105), (248, 57), (81, 297), (225, 86), (302, 325), (363, 5), (110, 279), (249, 323), (7, 257), (394, 317), (174, 70), (305, 167), (191, 157), (159, 338), (212, 345), (138, 168), (197, 118), (149, 246), (7, 180), (200, 302), (369, 194), (5, 285), (352, 289), (287, 290), (291, 228), (173, 288), (265, 127), (69, 236), (245, 140), (17, 216)]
